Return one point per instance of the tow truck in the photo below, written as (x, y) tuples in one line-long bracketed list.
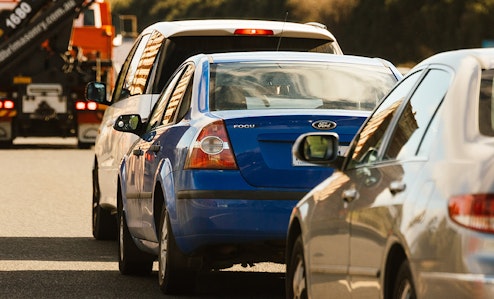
[(49, 51)]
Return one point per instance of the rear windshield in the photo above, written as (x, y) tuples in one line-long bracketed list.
[(178, 49), (486, 103), (240, 86)]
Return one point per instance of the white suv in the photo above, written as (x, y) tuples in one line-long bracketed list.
[(156, 53)]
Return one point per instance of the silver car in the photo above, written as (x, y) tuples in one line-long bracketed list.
[(409, 213)]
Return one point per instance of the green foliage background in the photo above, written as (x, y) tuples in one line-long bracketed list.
[(402, 31)]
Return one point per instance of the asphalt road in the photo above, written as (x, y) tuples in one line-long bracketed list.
[(46, 246)]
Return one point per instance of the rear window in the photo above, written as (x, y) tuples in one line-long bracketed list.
[(177, 49), (486, 103), (248, 86)]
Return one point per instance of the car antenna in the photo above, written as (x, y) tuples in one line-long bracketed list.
[(282, 30)]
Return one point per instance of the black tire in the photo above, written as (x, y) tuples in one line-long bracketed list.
[(131, 260), (104, 224), (404, 288), (84, 145), (296, 279), (6, 143), (174, 277)]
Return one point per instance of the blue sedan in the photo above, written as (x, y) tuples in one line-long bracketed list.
[(211, 181)]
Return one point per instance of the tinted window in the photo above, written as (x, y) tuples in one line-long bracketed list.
[(240, 86), (138, 68), (127, 72), (174, 99), (366, 145), (178, 49), (417, 114), (486, 103)]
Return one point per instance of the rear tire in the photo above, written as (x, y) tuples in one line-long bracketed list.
[(174, 275), (104, 224), (296, 281), (404, 288), (131, 260)]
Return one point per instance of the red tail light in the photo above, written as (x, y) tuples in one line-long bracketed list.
[(84, 105), (474, 211), (253, 31), (7, 104), (211, 149)]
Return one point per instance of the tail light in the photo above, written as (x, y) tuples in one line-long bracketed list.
[(86, 105), (211, 149), (253, 31), (7, 104), (474, 211)]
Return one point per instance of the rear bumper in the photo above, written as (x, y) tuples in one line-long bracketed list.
[(220, 217)]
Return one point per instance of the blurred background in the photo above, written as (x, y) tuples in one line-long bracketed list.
[(402, 31)]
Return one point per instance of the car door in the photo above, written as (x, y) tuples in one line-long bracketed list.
[(329, 240), (383, 198), (156, 144)]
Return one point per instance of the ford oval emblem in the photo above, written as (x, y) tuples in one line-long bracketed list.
[(324, 125)]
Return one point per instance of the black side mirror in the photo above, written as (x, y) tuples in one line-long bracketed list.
[(129, 123), (317, 148), (96, 92)]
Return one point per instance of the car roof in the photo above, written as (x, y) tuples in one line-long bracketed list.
[(219, 27), (484, 57), (291, 56)]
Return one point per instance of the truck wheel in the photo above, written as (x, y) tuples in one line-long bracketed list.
[(173, 275), (84, 145), (296, 282), (5, 143), (104, 223), (131, 260)]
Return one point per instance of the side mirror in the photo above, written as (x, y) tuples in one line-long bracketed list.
[(129, 123), (96, 92), (318, 148)]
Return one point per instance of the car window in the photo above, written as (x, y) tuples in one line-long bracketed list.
[(179, 48), (175, 97), (159, 107), (366, 145), (417, 114), (261, 86), (128, 69), (486, 103), (140, 66)]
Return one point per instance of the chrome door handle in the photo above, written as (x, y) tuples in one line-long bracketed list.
[(350, 195)]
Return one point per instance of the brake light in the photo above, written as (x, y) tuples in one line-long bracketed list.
[(83, 105), (253, 31), (474, 211), (91, 106), (211, 149), (7, 104)]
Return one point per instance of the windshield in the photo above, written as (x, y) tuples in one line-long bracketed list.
[(240, 86)]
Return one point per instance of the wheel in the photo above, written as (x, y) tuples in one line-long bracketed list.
[(404, 288), (104, 223), (173, 275), (84, 145), (296, 282), (131, 260), (6, 143)]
